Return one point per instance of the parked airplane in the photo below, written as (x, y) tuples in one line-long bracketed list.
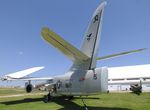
[(136, 88), (83, 78)]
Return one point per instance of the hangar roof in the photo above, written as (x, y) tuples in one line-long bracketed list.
[(129, 72)]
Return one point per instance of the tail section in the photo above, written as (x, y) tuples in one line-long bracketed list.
[(92, 37), (63, 46), (86, 57)]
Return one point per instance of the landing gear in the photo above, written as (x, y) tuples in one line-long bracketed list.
[(47, 98), (85, 106), (70, 97)]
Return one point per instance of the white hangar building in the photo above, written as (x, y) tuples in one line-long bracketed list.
[(120, 78)]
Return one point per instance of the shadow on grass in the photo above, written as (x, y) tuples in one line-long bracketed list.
[(26, 100), (69, 105), (95, 98), (66, 104)]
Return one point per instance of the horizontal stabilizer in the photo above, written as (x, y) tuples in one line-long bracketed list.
[(120, 54), (21, 74), (66, 48), (30, 79)]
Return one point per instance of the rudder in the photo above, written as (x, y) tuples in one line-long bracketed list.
[(92, 37)]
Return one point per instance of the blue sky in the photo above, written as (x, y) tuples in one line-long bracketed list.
[(126, 26)]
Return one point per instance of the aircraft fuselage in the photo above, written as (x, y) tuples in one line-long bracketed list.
[(82, 82)]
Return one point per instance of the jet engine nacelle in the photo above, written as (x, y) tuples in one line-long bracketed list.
[(28, 87)]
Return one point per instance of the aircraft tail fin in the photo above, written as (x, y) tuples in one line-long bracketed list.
[(92, 37), (86, 57)]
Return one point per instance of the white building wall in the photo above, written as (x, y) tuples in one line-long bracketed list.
[(120, 78)]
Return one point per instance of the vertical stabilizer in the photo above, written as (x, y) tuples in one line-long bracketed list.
[(92, 36)]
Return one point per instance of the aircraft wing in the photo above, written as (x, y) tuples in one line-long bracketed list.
[(30, 79), (120, 54), (21, 74), (66, 48)]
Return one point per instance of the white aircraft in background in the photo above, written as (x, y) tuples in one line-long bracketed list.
[(83, 78)]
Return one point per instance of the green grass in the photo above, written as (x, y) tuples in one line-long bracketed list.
[(14, 91), (10, 91), (112, 101)]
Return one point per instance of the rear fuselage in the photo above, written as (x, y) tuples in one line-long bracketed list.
[(82, 82)]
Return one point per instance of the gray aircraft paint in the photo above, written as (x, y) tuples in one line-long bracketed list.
[(80, 78), (83, 83), (91, 41), (92, 37), (83, 78)]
